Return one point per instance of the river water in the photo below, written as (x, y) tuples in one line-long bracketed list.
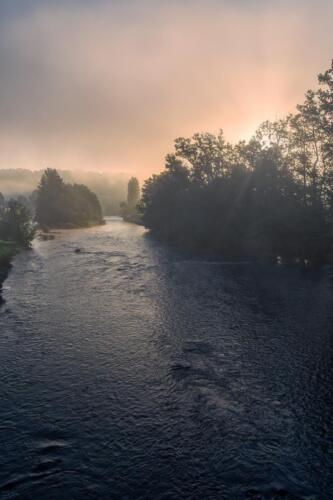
[(132, 371)]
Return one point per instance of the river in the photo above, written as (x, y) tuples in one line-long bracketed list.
[(133, 371)]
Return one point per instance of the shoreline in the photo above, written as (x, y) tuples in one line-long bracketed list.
[(196, 250)]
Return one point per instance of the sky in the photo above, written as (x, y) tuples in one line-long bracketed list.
[(108, 85)]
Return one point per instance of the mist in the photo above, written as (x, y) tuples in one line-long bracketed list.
[(111, 189), (107, 86)]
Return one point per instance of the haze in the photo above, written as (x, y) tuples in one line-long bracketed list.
[(108, 85)]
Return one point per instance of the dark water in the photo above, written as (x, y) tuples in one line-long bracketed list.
[(131, 371)]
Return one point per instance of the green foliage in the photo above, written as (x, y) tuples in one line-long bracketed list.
[(15, 224), (65, 205), (272, 196)]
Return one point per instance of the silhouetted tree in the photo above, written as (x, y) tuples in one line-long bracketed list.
[(272, 196), (133, 192), (65, 205), (2, 204), (128, 209), (110, 189)]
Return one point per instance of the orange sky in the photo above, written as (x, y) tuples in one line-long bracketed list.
[(108, 85)]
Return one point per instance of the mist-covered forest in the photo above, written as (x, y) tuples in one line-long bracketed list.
[(166, 249), (269, 197), (110, 189), (63, 205)]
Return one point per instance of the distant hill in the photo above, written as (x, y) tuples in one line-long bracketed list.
[(111, 190)]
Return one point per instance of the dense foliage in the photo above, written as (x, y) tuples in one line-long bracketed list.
[(65, 205), (16, 231), (269, 197), (15, 223), (109, 188)]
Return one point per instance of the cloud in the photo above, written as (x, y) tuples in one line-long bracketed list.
[(109, 85)]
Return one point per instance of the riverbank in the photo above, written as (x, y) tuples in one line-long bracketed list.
[(7, 252), (133, 218)]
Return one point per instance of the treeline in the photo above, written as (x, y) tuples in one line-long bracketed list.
[(54, 204), (61, 205), (267, 198), (109, 188)]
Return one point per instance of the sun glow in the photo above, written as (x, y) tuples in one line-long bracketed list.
[(108, 86)]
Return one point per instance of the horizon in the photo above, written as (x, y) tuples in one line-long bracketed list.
[(108, 87), (166, 249)]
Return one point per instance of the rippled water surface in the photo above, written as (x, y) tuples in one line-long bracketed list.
[(131, 371)]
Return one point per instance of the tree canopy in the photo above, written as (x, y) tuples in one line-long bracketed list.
[(65, 205), (110, 188), (271, 196)]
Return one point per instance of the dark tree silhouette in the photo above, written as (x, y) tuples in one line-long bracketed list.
[(65, 205), (133, 192), (129, 210), (269, 197), (2, 203)]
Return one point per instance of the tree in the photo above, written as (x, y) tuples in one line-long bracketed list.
[(133, 192), (129, 209), (325, 101), (269, 197), (16, 224), (51, 200), (2, 204), (65, 205)]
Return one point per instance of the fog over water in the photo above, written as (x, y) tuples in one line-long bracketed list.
[(130, 370)]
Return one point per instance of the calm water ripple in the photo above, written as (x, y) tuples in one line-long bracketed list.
[(131, 371)]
